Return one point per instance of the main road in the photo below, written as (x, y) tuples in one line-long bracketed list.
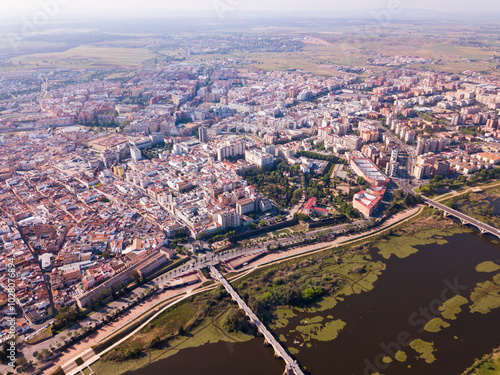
[(409, 150)]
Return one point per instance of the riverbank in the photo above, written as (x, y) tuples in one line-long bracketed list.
[(143, 342), (310, 285), (343, 269), (487, 365), (209, 317), (481, 204)]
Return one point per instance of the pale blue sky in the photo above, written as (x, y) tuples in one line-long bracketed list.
[(61, 8)]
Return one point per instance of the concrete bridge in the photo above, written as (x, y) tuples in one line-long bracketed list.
[(465, 219), (292, 366)]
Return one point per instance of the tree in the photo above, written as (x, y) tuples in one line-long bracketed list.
[(360, 180), (22, 363), (45, 353), (180, 331), (296, 196), (66, 316), (302, 217)]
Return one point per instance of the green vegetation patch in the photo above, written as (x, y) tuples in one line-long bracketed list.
[(330, 331), (485, 297), (435, 325), (327, 332), (79, 361), (42, 336), (313, 320), (425, 349), (326, 303), (281, 317), (404, 246), (293, 350), (308, 330), (400, 356), (487, 266), (209, 317), (387, 359), (58, 371), (312, 284), (452, 307), (490, 365)]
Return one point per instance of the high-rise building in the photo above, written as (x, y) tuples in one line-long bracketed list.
[(392, 169), (420, 146), (394, 155), (231, 149), (228, 219), (203, 136), (135, 153)]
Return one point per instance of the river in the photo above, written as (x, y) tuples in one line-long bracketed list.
[(373, 319)]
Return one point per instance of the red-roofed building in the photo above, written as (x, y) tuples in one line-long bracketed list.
[(367, 201), (310, 208)]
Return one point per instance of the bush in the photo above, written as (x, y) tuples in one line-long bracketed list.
[(359, 269), (279, 281), (237, 321)]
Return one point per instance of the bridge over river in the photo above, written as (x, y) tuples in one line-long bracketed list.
[(465, 219), (292, 366)]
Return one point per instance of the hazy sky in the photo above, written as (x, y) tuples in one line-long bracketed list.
[(144, 8)]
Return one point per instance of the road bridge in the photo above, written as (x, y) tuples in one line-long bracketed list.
[(464, 219)]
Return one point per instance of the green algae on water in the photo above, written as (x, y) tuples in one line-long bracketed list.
[(435, 325), (425, 349), (452, 307), (487, 266)]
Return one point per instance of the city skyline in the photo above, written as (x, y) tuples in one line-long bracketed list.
[(152, 9)]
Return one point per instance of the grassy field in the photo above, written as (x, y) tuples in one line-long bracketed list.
[(337, 45), (86, 57), (44, 335), (353, 49)]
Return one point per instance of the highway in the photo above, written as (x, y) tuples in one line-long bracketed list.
[(291, 365)]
